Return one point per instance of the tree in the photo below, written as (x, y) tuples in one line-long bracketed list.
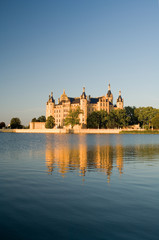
[(130, 112), (97, 119), (145, 115), (34, 120), (15, 123), (123, 119), (50, 122), (73, 117), (103, 118), (118, 119), (41, 119), (2, 125), (155, 122), (112, 120), (93, 120)]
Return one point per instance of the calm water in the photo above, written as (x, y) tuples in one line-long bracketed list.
[(79, 186)]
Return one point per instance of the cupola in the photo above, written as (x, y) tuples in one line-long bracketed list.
[(63, 96)]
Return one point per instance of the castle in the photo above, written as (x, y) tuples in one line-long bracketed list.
[(86, 103)]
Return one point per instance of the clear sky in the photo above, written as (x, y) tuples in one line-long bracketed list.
[(48, 45)]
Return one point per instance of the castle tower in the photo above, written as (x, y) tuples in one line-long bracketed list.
[(50, 106), (83, 106), (109, 94), (120, 101)]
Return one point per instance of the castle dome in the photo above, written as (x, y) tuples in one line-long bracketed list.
[(63, 96)]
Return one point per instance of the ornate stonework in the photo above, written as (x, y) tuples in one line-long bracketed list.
[(86, 103)]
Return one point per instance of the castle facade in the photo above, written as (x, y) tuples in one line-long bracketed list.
[(86, 103)]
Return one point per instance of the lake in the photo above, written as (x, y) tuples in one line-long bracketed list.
[(79, 186)]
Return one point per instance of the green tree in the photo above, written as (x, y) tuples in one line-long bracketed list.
[(15, 123), (2, 125), (103, 118), (34, 120), (155, 121), (123, 119), (50, 122), (73, 117), (145, 115), (112, 120), (130, 112), (97, 119), (41, 119), (93, 120), (118, 119)]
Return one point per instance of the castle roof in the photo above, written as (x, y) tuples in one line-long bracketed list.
[(94, 100), (119, 99), (74, 100), (109, 93), (51, 99)]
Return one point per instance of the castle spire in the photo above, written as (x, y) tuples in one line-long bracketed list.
[(51, 99), (109, 87), (119, 99), (83, 94)]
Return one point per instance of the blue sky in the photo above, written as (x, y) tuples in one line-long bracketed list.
[(67, 44)]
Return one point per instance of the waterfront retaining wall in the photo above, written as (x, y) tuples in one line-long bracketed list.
[(76, 131)]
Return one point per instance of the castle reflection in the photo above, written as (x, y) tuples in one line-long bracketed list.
[(64, 157), (70, 153)]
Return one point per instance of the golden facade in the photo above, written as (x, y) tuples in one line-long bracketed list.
[(87, 104)]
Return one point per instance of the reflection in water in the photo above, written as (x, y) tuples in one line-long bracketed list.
[(67, 157), (64, 155)]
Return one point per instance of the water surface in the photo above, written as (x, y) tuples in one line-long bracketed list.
[(79, 186)]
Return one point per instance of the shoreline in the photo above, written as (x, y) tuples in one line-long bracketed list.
[(81, 131)]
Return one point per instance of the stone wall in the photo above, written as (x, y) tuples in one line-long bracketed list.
[(64, 131), (37, 125)]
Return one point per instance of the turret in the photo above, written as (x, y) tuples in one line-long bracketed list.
[(83, 106), (120, 101), (83, 96), (51, 99), (50, 106), (109, 94)]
